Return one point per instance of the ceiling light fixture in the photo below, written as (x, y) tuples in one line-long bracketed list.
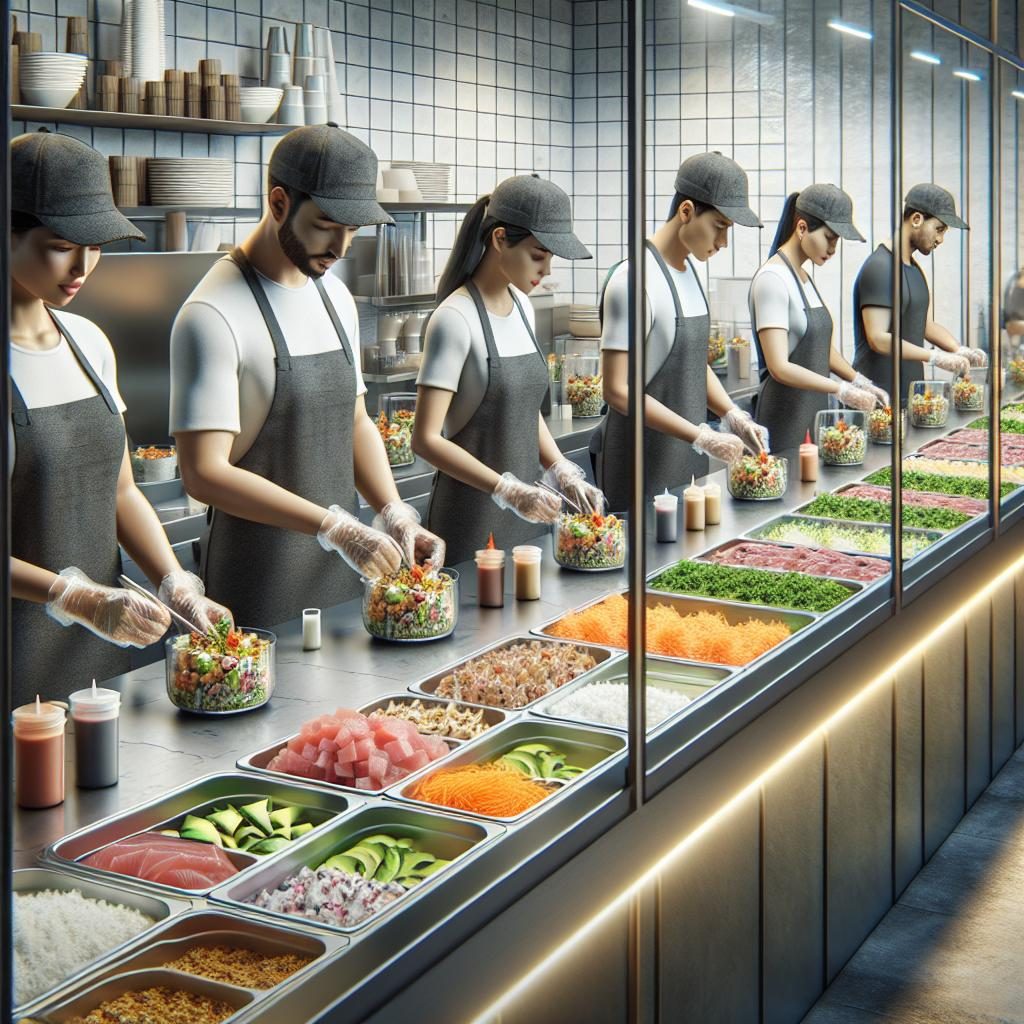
[(712, 8), (970, 76), (1019, 93), (925, 58), (850, 30)]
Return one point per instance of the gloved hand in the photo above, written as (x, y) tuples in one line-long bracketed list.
[(402, 523), (862, 382), (185, 593), (725, 447), (752, 434), (975, 356), (123, 617), (531, 503), (565, 476), (957, 365), (856, 398), (370, 552)]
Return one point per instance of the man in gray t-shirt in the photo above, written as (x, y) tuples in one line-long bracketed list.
[(929, 211)]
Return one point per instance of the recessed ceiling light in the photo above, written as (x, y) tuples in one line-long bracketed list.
[(926, 58), (970, 76), (712, 8), (850, 30), (1019, 93)]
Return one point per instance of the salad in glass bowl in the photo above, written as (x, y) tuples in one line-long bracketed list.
[(760, 477), (589, 541), (716, 348), (396, 433), (929, 403), (967, 395), (880, 425), (413, 604), (222, 672), (1015, 369), (585, 393), (841, 437)]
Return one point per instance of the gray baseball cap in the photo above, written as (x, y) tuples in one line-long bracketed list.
[(335, 169), (720, 182), (935, 201), (65, 185), (543, 209), (831, 205)]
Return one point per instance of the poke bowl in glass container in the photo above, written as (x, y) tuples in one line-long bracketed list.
[(395, 422), (154, 462), (968, 395), (589, 541), (880, 425), (760, 477), (412, 605), (929, 403), (842, 439), (584, 387), (222, 672)]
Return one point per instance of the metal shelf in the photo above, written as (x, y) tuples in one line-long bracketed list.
[(390, 378), (228, 213), (395, 301), (427, 207), (149, 122)]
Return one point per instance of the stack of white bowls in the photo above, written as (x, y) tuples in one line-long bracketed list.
[(259, 105), (177, 181), (51, 79)]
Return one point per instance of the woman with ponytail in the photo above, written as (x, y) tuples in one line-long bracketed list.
[(483, 379), (792, 327)]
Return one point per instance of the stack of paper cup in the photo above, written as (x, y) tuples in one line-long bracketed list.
[(313, 100), (325, 51), (147, 40), (292, 110)]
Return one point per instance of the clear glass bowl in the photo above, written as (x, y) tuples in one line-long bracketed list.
[(758, 477), (153, 462), (968, 395), (880, 425), (842, 436), (720, 334), (204, 678), (929, 403), (589, 542), (584, 389), (395, 422), (405, 609)]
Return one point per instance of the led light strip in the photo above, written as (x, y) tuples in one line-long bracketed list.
[(619, 901)]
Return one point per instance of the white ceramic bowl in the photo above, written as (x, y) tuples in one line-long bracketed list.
[(49, 97), (258, 114)]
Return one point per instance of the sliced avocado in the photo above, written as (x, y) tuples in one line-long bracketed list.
[(381, 840), (301, 829), (269, 845), (246, 831), (259, 814), (533, 748), (285, 817), (169, 832), (407, 882), (390, 866), (525, 763), (229, 842), (405, 843), (367, 856), (201, 829), (227, 820), (343, 862), (285, 833), (248, 842), (429, 869), (414, 860)]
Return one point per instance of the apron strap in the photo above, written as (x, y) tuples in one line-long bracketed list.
[(282, 356), (529, 329), (339, 327), (19, 410), (659, 259), (799, 283), (485, 323), (87, 367)]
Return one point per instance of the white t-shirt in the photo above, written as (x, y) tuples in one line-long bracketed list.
[(55, 377), (222, 358), (455, 353), (775, 301)]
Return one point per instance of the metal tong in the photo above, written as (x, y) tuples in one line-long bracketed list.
[(132, 585), (558, 494)]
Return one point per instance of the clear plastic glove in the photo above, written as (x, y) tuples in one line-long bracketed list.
[(855, 397), (122, 617), (565, 476), (185, 593), (862, 382), (725, 447), (752, 434), (368, 551), (531, 503), (975, 356), (401, 522), (955, 364)]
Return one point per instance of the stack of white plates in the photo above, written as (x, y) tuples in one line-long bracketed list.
[(51, 79), (433, 180), (174, 181), (584, 321)]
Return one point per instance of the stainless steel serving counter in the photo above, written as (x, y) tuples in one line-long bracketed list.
[(162, 748)]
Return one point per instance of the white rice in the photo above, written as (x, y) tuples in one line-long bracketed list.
[(56, 933), (607, 704)]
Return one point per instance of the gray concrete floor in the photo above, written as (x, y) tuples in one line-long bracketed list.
[(951, 951)]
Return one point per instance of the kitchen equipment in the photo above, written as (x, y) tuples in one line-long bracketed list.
[(205, 679)]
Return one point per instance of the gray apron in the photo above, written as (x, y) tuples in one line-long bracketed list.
[(503, 433), (264, 574), (876, 366), (788, 412), (64, 513), (681, 385)]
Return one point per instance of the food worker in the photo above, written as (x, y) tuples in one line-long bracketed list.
[(929, 211), (483, 378), (73, 498), (710, 196), (267, 398), (793, 328)]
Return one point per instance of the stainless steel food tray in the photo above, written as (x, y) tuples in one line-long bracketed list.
[(922, 452), (321, 805), (590, 748), (492, 716), (733, 612), (757, 533), (851, 585), (839, 491), (428, 687), (860, 522), (444, 835), (91, 994), (159, 908)]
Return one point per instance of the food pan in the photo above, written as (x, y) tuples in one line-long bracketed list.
[(444, 836), (428, 686), (159, 908), (492, 716), (733, 612), (758, 532), (853, 587), (321, 805), (91, 994), (590, 748)]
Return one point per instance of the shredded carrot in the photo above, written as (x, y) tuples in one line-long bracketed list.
[(492, 789), (700, 636)]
